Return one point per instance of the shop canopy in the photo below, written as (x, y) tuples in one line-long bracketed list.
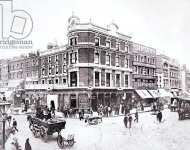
[(154, 93), (143, 94), (164, 93)]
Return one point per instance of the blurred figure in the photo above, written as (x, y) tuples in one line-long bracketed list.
[(159, 116), (125, 120), (136, 117), (15, 124), (27, 145), (130, 120)]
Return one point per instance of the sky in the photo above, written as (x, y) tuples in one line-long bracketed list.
[(162, 24)]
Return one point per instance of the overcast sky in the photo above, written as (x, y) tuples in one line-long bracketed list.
[(161, 24)]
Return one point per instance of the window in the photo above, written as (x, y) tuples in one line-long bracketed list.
[(117, 80), (107, 59), (122, 45), (142, 59), (153, 61), (43, 71), (73, 57), (97, 42), (64, 69), (97, 80), (96, 58), (64, 59), (113, 43), (103, 40), (127, 48), (126, 80), (43, 81), (49, 59), (56, 58), (64, 81), (73, 79), (127, 63), (108, 79), (117, 60), (108, 44), (56, 81), (148, 61), (49, 69), (73, 41), (56, 69), (73, 101), (50, 81)]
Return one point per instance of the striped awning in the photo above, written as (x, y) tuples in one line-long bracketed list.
[(143, 94)]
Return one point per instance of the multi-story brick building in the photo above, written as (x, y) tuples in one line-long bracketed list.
[(185, 79), (4, 74), (31, 68), (95, 67), (168, 72), (144, 67)]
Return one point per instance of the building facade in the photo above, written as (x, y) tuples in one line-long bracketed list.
[(185, 79), (95, 67), (144, 67), (4, 70), (168, 72)]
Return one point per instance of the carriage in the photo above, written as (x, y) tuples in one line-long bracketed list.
[(44, 128), (184, 109), (93, 120)]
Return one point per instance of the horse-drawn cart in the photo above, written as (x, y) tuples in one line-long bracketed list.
[(44, 128)]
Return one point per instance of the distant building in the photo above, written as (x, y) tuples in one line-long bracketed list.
[(4, 70), (185, 78), (144, 67), (168, 73)]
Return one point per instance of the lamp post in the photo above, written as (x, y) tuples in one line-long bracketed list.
[(3, 132)]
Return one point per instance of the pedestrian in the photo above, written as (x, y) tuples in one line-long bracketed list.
[(27, 145), (15, 124), (136, 117), (125, 120), (159, 116), (130, 120)]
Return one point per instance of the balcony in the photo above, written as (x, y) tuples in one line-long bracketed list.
[(135, 63), (144, 76)]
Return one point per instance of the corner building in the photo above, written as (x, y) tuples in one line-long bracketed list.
[(95, 67), (99, 64)]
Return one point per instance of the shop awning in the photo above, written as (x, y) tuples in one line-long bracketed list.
[(164, 93), (154, 93), (14, 83), (143, 94)]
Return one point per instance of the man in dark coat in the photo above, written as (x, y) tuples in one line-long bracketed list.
[(159, 116), (130, 120), (15, 124), (136, 117), (27, 145), (125, 120)]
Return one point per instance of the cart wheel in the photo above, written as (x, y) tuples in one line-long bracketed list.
[(60, 141), (71, 142), (35, 133)]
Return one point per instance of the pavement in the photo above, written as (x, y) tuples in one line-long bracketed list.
[(111, 134)]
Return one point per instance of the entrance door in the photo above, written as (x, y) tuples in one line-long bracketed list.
[(94, 102)]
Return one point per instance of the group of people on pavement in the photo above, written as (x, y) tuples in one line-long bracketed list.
[(128, 119), (14, 143)]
